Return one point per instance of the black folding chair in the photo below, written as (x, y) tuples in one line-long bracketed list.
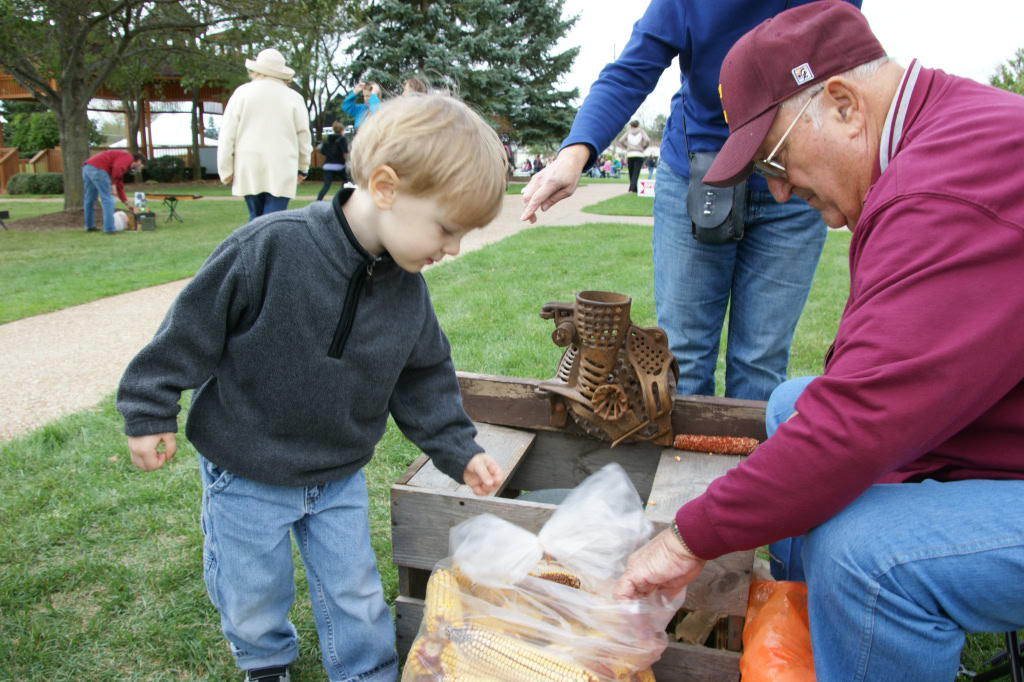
[(4, 215), (1008, 662)]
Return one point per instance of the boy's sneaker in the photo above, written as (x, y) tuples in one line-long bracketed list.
[(278, 673)]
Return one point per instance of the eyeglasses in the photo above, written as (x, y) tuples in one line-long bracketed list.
[(769, 168)]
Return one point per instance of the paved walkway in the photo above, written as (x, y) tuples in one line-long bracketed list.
[(67, 361)]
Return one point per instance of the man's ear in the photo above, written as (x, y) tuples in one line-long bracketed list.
[(847, 103), (383, 187)]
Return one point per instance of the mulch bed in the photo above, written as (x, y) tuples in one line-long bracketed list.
[(72, 220)]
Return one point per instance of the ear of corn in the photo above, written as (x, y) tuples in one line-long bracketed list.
[(488, 655), (442, 606), (555, 572), (424, 661)]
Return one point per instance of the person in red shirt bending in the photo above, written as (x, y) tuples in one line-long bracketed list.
[(101, 171)]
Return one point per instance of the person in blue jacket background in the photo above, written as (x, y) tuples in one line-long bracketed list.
[(359, 111), (763, 279)]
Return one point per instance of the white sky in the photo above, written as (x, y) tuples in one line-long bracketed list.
[(964, 38)]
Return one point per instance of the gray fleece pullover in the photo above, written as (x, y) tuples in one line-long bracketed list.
[(255, 331)]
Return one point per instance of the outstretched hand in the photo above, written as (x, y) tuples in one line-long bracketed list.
[(145, 451), (556, 182), (663, 563), (483, 474)]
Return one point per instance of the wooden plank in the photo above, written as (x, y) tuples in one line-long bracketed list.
[(676, 483), (421, 519), (723, 585), (513, 401), (678, 662), (507, 447), (697, 663)]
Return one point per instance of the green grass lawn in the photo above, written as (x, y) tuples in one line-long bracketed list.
[(45, 271), (101, 563), (27, 209), (626, 203)]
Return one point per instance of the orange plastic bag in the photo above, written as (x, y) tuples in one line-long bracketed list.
[(777, 637)]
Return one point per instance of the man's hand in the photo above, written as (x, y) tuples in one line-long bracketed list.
[(227, 180), (661, 563), (300, 177), (556, 182), (483, 474), (145, 451)]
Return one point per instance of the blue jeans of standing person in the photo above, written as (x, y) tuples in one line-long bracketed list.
[(762, 280), (264, 202), (96, 183), (329, 176), (247, 566), (896, 578)]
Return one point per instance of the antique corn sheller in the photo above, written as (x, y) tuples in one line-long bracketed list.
[(616, 379)]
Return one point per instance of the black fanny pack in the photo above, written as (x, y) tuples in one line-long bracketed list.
[(716, 213)]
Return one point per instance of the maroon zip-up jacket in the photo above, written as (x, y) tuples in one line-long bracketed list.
[(924, 379)]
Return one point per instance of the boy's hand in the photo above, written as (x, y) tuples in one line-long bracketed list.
[(144, 452), (483, 474)]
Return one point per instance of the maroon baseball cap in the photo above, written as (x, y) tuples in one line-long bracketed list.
[(777, 59)]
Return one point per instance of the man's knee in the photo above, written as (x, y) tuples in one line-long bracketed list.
[(782, 401)]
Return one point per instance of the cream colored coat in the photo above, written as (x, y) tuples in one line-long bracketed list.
[(264, 139)]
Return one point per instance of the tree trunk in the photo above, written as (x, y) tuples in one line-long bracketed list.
[(197, 121), (74, 146), (132, 110)]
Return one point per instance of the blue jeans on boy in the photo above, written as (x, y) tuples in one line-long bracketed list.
[(895, 578), (96, 183), (247, 566), (263, 203), (763, 280)]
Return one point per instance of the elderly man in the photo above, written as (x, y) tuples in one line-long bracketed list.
[(899, 470)]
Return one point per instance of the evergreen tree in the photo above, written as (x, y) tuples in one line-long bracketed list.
[(1010, 75), (497, 56)]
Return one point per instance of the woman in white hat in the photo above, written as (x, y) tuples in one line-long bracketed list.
[(265, 145)]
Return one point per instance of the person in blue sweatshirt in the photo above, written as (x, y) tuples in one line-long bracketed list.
[(300, 334), (360, 110), (763, 279)]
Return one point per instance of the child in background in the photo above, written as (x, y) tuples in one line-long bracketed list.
[(303, 331), (335, 151)]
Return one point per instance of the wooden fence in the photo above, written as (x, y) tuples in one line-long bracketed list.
[(8, 166)]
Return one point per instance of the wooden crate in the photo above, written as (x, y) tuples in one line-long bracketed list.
[(514, 428)]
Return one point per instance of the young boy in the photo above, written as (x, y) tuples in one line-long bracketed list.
[(302, 331)]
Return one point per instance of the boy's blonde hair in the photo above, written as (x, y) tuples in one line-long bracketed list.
[(438, 147)]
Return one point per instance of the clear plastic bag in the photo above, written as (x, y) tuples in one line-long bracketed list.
[(511, 605)]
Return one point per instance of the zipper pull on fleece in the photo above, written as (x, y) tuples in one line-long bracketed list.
[(369, 277)]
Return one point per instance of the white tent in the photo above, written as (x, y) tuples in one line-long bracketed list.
[(169, 130)]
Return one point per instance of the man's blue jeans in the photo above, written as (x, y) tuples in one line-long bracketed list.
[(263, 203), (895, 578), (763, 280), (247, 566), (96, 183)]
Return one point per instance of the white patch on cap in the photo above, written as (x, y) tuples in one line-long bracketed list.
[(803, 74)]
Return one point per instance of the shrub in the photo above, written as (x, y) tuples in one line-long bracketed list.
[(49, 183), (36, 183), (19, 183), (166, 169), (315, 173)]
